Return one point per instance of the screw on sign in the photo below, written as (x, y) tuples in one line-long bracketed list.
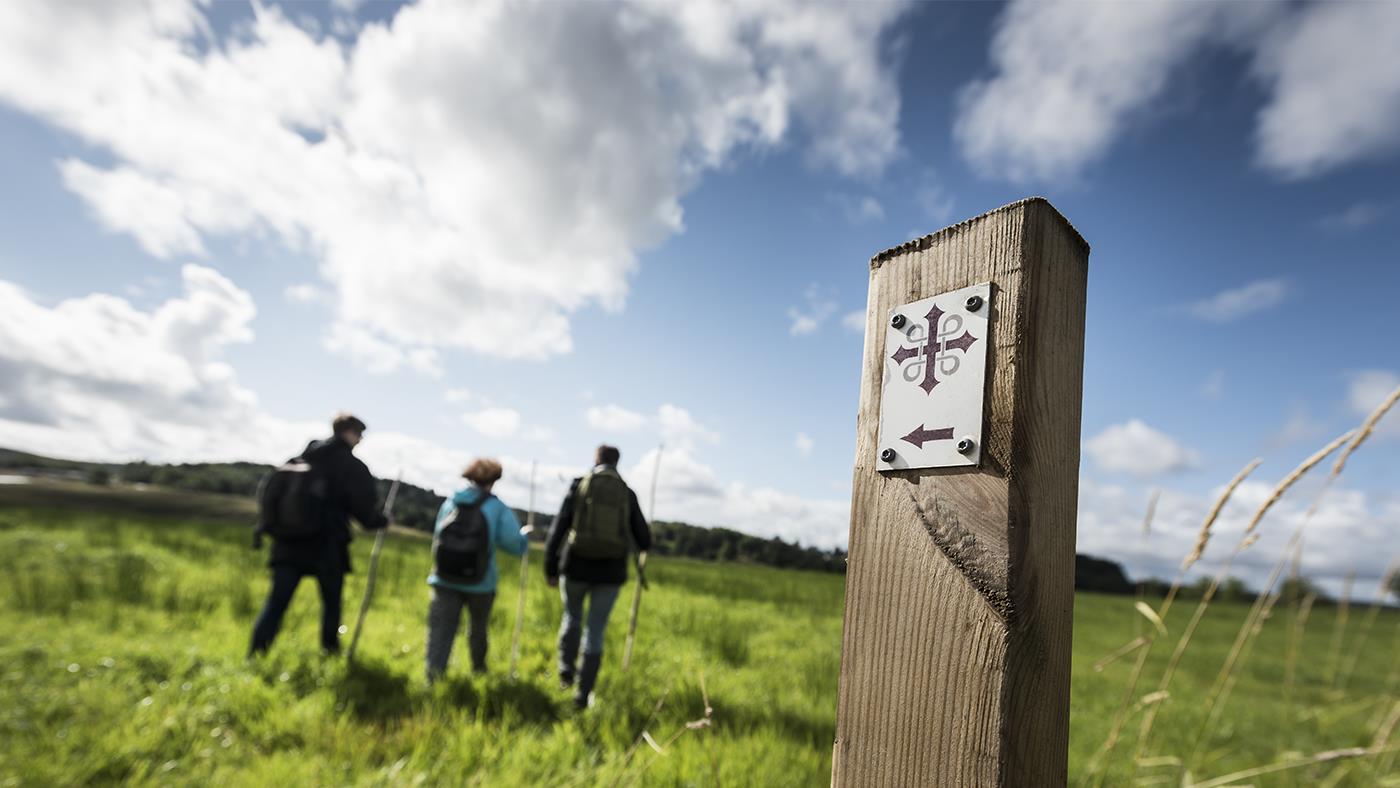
[(935, 376)]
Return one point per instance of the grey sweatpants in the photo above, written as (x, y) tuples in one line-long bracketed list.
[(445, 617)]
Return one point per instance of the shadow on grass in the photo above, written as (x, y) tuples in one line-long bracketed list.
[(499, 698), (371, 691)]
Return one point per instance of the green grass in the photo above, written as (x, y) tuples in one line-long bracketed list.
[(123, 630)]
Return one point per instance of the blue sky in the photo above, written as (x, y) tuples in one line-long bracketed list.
[(519, 229)]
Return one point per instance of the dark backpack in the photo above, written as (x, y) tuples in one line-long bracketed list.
[(602, 517), (462, 548), (290, 502)]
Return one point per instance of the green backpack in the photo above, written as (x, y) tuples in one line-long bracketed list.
[(602, 517)]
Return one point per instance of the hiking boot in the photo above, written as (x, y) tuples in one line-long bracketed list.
[(587, 677), (568, 656)]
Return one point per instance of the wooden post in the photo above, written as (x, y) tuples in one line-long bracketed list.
[(955, 658)]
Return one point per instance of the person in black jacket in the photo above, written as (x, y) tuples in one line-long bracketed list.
[(596, 580), (349, 492)]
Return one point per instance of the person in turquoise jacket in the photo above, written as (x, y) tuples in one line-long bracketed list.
[(445, 610)]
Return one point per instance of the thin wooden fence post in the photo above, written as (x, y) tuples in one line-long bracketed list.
[(955, 659)]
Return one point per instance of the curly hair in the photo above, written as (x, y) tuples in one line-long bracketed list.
[(482, 471)]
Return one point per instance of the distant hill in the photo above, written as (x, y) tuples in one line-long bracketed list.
[(417, 508)]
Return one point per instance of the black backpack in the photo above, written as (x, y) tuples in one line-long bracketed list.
[(289, 502), (462, 549)]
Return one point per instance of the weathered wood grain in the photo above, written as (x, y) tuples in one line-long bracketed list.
[(956, 643)]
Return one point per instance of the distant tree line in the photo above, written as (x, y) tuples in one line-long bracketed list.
[(723, 544), (224, 478)]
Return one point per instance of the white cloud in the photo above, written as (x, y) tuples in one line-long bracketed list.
[(1335, 95), (679, 428), (457, 396), (1137, 449), (614, 418), (494, 422), (1297, 428), (1070, 78), (674, 425), (96, 377), (858, 209), (538, 434), (690, 491), (818, 306), (124, 200), (934, 200), (446, 211), (1341, 536), (803, 444), (1368, 389), (854, 321), (1241, 301), (429, 464), (377, 356), (1354, 217), (304, 293)]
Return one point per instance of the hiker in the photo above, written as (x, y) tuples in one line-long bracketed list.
[(471, 526), (602, 522), (306, 506)]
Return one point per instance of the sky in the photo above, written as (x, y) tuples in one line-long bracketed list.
[(519, 229)]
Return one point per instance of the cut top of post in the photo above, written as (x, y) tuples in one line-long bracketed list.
[(924, 242)]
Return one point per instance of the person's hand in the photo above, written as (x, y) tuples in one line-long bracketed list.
[(552, 582), (526, 530)]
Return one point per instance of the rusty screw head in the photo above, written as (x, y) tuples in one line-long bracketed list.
[(897, 321), (974, 303), (887, 455), (965, 445)]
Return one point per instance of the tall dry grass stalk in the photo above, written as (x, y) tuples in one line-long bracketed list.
[(1354, 653), (659, 749), (1249, 630), (1145, 642), (1330, 756), (1225, 682), (1362, 433), (1290, 669), (1383, 734), (1392, 682), (1247, 539), (1203, 536), (1334, 660), (1146, 536)]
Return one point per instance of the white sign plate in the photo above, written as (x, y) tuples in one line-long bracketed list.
[(935, 379)]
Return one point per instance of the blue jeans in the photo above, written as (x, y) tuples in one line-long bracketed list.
[(600, 598)]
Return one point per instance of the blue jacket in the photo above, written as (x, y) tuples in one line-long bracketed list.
[(505, 535)]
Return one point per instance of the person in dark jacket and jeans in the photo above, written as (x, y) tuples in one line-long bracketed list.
[(589, 579), (349, 492)]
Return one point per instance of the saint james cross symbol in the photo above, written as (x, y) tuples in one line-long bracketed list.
[(936, 351)]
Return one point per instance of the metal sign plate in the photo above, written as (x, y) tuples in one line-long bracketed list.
[(935, 378)]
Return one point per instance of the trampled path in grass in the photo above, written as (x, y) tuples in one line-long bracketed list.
[(124, 626)]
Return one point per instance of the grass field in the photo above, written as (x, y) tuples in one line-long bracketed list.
[(126, 615)]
